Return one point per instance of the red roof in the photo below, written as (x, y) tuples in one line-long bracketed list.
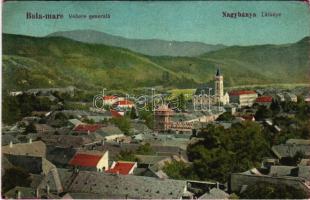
[(115, 113), (85, 160), (264, 99), (241, 92), (122, 168), (124, 102), (109, 97), (248, 117), (87, 127)]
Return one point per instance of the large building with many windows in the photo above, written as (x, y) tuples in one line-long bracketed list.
[(243, 97)]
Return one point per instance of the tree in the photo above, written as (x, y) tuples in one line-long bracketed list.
[(145, 149), (227, 116), (123, 124), (263, 190), (263, 113), (127, 156), (179, 170), (224, 151), (181, 102), (133, 113), (275, 107)]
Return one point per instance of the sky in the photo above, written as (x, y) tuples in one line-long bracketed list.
[(180, 21)]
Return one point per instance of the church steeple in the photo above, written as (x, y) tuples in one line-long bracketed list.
[(218, 72)]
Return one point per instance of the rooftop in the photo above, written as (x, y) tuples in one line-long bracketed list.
[(264, 99), (127, 186), (37, 148), (85, 160), (87, 127), (123, 168), (241, 92)]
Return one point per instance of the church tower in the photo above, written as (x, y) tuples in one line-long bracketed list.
[(219, 87)]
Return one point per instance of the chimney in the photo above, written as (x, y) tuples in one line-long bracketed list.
[(30, 140), (11, 144), (18, 194), (37, 193), (47, 189)]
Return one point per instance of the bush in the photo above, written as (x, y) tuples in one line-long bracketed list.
[(271, 191)]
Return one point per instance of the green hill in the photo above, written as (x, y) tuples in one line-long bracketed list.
[(247, 65), (30, 62)]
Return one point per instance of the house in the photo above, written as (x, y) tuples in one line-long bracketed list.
[(125, 104), (87, 128), (70, 140), (110, 133), (105, 116), (116, 114), (215, 193), (307, 99), (243, 97), (91, 161), (43, 128), (240, 181), (36, 148), (22, 193), (122, 167), (298, 142), (280, 97), (284, 151), (296, 171), (264, 100), (60, 156), (31, 164), (110, 100), (74, 122), (290, 97), (247, 118), (149, 160)]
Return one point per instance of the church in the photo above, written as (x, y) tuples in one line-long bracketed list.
[(212, 94)]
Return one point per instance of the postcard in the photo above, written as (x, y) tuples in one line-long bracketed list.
[(155, 100)]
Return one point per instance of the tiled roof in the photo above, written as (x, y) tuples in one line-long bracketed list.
[(124, 102), (85, 160), (87, 127), (289, 150), (264, 99), (135, 187), (248, 117), (109, 97), (36, 148), (115, 113), (241, 92), (31, 164), (122, 168)]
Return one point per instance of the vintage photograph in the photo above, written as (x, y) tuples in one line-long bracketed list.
[(155, 100)]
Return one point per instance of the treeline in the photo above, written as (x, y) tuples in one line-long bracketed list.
[(223, 151)]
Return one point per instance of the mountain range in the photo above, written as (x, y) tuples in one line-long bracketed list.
[(151, 47), (30, 62)]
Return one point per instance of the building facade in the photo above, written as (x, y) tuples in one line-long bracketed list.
[(212, 95), (243, 97)]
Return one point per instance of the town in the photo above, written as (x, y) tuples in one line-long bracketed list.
[(210, 142)]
